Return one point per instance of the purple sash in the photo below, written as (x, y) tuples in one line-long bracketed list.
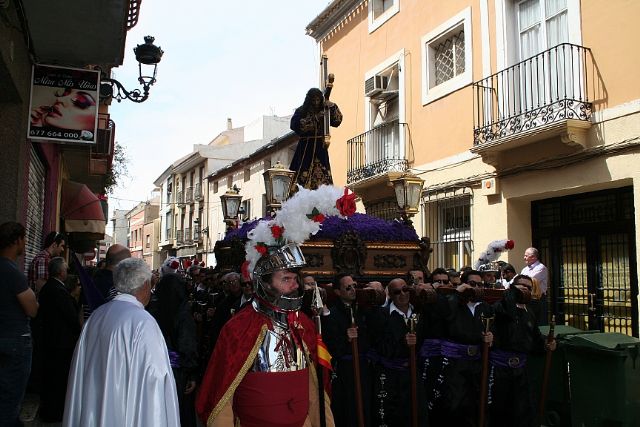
[(431, 347), (507, 359), (174, 359), (398, 364), (454, 350)]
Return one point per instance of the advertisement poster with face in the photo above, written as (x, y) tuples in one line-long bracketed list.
[(64, 104)]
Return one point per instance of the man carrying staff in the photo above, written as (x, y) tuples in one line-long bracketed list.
[(262, 371), (462, 350), (338, 333), (392, 389), (516, 336)]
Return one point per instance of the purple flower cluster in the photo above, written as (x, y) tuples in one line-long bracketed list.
[(371, 229)]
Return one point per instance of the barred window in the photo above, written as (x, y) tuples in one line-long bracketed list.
[(449, 58), (448, 224)]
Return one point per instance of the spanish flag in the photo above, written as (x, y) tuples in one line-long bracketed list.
[(324, 358)]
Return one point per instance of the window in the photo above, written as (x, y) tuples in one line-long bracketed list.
[(449, 58), (230, 181), (247, 174), (215, 186), (380, 11), (448, 217), (385, 140), (148, 243), (446, 57)]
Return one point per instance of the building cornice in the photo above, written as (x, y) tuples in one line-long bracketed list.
[(331, 16)]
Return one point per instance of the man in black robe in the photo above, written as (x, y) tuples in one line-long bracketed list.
[(338, 331), (516, 336), (392, 377), (462, 350)]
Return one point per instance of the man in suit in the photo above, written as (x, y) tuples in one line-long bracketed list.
[(59, 321)]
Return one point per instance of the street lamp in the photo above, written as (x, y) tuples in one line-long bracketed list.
[(408, 188), (231, 206), (277, 182), (147, 54)]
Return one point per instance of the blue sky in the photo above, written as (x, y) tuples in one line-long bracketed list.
[(239, 59)]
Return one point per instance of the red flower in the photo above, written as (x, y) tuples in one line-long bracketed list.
[(510, 244), (347, 203), (277, 231), (262, 249), (318, 218)]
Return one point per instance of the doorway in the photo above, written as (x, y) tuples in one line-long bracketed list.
[(587, 242)]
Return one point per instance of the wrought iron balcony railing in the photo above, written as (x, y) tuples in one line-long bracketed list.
[(549, 87), (188, 195), (187, 236), (197, 192), (378, 151), (180, 198), (167, 235), (179, 237)]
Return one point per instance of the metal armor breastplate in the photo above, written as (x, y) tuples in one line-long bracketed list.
[(279, 351)]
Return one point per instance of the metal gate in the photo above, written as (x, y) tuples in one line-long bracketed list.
[(34, 219), (588, 244)]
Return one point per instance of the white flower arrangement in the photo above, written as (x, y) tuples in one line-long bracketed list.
[(299, 218)]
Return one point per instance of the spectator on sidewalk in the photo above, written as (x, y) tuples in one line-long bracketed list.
[(17, 304), (54, 245)]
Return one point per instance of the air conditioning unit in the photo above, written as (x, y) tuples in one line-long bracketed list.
[(374, 85)]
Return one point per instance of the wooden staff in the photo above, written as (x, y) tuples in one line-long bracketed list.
[(316, 305), (355, 352), (327, 81), (484, 379), (413, 373), (547, 369)]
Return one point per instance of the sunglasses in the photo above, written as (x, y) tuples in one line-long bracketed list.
[(474, 283), (404, 290), (442, 281)]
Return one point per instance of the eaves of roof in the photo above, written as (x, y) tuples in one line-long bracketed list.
[(330, 16)]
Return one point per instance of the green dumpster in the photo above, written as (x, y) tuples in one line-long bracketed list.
[(557, 410), (604, 372)]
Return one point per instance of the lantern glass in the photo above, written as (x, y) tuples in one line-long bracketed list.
[(281, 187), (233, 204), (400, 193), (413, 194)]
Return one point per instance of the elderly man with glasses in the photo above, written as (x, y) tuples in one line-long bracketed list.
[(392, 382)]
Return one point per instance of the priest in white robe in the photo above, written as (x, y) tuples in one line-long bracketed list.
[(120, 374)]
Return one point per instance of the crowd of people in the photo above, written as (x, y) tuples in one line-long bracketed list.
[(122, 345)]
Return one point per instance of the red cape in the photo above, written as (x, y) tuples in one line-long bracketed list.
[(234, 354)]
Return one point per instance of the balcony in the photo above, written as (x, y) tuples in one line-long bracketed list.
[(377, 152), (180, 199), (179, 238), (167, 234), (188, 195), (197, 234), (187, 236), (197, 192), (539, 98)]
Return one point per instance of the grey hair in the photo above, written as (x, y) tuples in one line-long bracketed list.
[(56, 266), (130, 275), (534, 252)]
